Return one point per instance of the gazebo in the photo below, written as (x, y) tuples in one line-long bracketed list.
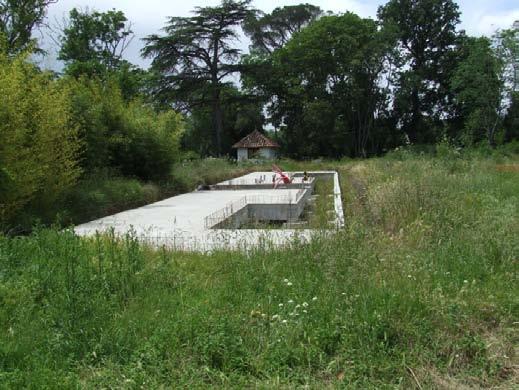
[(256, 145)]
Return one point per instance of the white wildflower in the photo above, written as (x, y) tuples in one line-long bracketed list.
[(314, 299), (305, 304)]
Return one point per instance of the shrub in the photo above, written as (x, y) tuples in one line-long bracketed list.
[(103, 193), (150, 144), (39, 147), (130, 137)]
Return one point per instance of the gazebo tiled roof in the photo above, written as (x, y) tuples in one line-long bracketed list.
[(255, 140)]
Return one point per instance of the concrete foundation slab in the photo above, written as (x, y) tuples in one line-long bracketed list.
[(181, 222)]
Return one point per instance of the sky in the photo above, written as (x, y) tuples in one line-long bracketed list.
[(478, 17)]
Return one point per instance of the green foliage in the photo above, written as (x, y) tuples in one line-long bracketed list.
[(150, 143), (269, 32), (130, 137), (507, 45), (425, 38), (511, 122), (477, 88), (18, 19), (195, 56), (52, 131), (105, 193), (326, 86), (93, 42), (39, 143), (241, 114), (421, 287), (323, 207), (187, 175)]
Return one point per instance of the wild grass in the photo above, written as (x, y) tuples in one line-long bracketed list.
[(321, 213), (420, 290)]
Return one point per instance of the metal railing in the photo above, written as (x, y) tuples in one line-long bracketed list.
[(221, 215), (232, 208)]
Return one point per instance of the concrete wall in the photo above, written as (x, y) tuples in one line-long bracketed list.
[(267, 185), (242, 154), (268, 153), (337, 195), (236, 220), (266, 212), (284, 211), (273, 212)]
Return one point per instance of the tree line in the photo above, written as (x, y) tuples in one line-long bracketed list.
[(337, 85), (327, 84)]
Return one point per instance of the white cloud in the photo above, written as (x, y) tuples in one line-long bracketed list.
[(489, 23)]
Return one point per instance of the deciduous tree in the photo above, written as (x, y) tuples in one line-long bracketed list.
[(94, 42), (18, 19), (477, 88), (326, 86), (425, 32)]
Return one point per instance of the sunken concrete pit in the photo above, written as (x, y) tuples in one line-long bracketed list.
[(215, 218), (286, 206)]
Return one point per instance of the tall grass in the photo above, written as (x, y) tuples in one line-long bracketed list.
[(322, 214), (418, 291)]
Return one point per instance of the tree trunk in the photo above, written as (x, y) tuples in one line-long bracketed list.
[(491, 133), (217, 104), (412, 131), (217, 120)]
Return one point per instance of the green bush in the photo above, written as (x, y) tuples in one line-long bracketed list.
[(130, 137), (104, 193), (151, 143), (39, 144)]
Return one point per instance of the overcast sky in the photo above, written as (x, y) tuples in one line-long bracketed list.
[(479, 17)]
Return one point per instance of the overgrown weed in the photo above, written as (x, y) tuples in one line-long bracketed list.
[(419, 289)]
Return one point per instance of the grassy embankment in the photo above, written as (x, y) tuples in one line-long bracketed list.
[(419, 291)]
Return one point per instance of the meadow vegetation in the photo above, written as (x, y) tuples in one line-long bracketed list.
[(321, 212), (420, 290)]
